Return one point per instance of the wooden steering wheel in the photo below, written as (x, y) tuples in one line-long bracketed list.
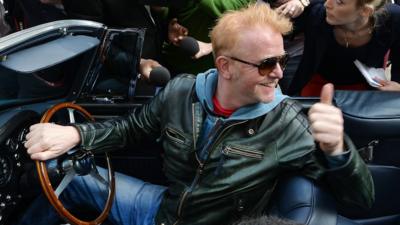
[(72, 167)]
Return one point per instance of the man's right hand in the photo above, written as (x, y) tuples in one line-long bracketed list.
[(47, 140)]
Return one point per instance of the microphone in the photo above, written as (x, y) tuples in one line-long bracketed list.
[(189, 46), (159, 76)]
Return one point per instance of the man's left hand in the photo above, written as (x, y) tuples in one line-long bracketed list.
[(326, 123)]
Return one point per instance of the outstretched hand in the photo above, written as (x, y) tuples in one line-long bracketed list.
[(146, 65), (290, 9), (47, 140), (204, 49), (176, 32), (387, 85), (326, 123)]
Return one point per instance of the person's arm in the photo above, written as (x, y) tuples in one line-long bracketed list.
[(394, 83), (394, 55), (348, 177), (309, 13), (215, 8), (292, 8), (326, 123), (47, 141), (350, 182), (127, 130)]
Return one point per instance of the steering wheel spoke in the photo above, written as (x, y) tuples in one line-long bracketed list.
[(73, 168), (71, 115), (64, 182), (96, 175)]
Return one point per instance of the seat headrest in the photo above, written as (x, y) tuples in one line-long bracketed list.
[(370, 113), (369, 104)]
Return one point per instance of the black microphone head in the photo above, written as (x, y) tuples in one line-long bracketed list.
[(189, 46), (159, 76)]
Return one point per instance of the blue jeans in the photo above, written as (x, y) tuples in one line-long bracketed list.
[(136, 202)]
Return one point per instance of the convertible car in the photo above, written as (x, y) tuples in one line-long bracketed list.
[(72, 71)]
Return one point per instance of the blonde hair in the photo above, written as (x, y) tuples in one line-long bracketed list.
[(377, 4), (379, 13), (226, 32)]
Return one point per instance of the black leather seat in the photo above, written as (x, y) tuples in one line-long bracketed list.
[(302, 200)]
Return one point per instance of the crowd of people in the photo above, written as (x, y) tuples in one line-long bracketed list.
[(328, 36), (227, 128)]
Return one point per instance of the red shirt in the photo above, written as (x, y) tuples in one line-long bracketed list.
[(219, 110)]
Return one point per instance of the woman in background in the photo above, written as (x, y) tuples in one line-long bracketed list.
[(338, 32)]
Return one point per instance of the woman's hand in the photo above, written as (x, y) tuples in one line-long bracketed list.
[(387, 85), (291, 9)]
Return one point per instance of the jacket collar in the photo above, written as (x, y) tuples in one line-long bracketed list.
[(206, 84)]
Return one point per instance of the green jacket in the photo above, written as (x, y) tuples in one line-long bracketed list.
[(199, 17), (244, 163)]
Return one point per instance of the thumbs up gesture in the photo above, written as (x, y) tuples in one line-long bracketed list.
[(326, 123)]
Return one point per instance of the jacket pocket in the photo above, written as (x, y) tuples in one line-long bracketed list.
[(174, 135), (178, 153), (235, 150)]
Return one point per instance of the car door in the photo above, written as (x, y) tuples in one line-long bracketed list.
[(114, 90)]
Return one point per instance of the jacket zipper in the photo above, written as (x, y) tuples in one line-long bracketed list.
[(200, 171), (185, 194), (194, 128), (236, 151), (195, 133)]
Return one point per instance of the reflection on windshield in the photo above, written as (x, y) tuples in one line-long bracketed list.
[(47, 83)]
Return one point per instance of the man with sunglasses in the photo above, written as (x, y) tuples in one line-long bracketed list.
[(228, 134)]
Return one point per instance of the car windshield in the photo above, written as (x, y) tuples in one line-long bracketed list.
[(45, 70)]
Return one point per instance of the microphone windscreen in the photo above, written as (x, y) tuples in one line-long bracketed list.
[(189, 46), (159, 76)]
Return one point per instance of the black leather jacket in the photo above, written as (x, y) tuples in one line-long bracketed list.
[(244, 162)]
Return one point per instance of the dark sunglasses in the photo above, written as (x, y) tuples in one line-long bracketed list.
[(268, 64)]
